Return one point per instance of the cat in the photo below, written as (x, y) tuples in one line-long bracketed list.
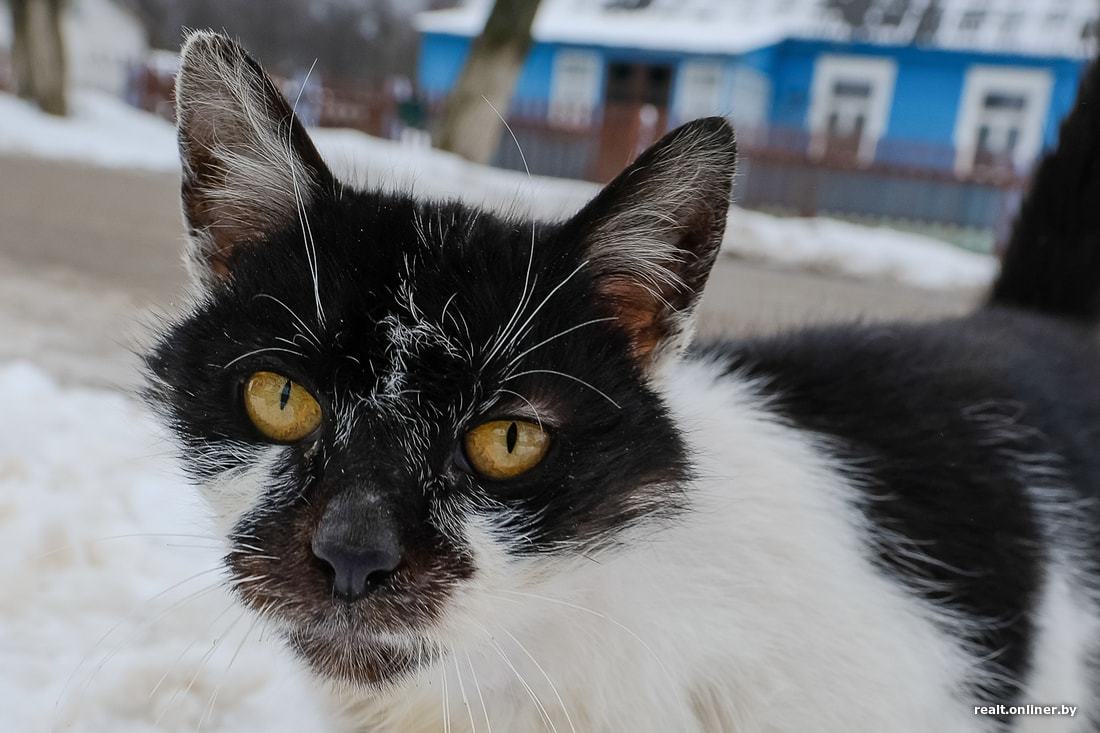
[(473, 471)]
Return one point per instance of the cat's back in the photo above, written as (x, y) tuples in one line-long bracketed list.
[(970, 443), (889, 387)]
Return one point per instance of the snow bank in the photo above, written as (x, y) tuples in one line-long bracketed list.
[(100, 130), (874, 253), (104, 131), (110, 582)]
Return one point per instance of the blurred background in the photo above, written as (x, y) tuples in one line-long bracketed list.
[(882, 142), (884, 147)]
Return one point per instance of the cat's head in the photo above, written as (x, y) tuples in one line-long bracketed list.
[(402, 411)]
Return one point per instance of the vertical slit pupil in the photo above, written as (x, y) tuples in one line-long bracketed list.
[(512, 437), (284, 396)]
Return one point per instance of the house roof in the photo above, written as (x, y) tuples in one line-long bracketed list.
[(1043, 27)]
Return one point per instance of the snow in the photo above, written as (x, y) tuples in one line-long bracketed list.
[(701, 26), (101, 130), (105, 131), (874, 253), (1049, 27), (110, 582)]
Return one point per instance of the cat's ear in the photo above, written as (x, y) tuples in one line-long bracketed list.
[(652, 235), (248, 164)]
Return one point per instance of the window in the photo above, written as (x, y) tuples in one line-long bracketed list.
[(575, 87), (972, 20), (700, 90), (1055, 19), (894, 13), (1000, 123), (749, 98), (1001, 100), (854, 89), (1011, 23), (850, 105)]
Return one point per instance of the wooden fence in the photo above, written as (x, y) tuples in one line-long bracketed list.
[(779, 169)]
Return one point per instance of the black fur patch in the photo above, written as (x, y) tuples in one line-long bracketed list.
[(940, 423), (1052, 263)]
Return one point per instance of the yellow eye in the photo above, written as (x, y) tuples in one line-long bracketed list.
[(280, 408), (503, 449)]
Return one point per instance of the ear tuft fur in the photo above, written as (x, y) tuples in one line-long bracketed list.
[(653, 233), (248, 163)]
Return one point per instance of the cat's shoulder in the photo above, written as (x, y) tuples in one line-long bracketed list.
[(993, 353)]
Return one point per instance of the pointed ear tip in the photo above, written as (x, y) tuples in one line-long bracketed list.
[(707, 134), (202, 45), (720, 130)]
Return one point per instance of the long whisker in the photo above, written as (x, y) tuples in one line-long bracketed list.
[(462, 690), (446, 700), (546, 676), (228, 607), (557, 335), (261, 351), (129, 615), (293, 315), (236, 652), (533, 409), (198, 670), (522, 329), (508, 127), (109, 538), (480, 697), (517, 375), (307, 232), (597, 614), (144, 625), (530, 691)]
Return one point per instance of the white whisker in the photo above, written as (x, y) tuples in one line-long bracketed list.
[(480, 696), (549, 681), (517, 375)]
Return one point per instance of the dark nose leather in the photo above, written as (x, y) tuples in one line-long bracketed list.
[(358, 540)]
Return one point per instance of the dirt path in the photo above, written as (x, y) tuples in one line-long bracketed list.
[(87, 254)]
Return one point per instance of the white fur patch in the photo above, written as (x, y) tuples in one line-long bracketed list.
[(241, 491), (1066, 629), (758, 611)]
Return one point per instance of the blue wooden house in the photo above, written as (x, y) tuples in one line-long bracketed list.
[(953, 90)]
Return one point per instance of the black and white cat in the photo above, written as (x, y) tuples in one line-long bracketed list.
[(467, 470)]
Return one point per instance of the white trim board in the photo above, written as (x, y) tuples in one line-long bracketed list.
[(1034, 84), (878, 71)]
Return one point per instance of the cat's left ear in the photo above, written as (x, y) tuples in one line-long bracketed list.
[(652, 235), (249, 168)]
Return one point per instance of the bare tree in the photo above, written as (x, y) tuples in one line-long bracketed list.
[(38, 53), (470, 127)]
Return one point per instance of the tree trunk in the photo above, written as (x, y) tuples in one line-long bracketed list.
[(470, 127), (38, 53)]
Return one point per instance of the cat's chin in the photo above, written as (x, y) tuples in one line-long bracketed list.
[(362, 660)]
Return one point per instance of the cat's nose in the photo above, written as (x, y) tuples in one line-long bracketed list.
[(359, 543), (356, 570)]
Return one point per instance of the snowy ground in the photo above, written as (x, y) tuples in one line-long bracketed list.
[(104, 131), (112, 616)]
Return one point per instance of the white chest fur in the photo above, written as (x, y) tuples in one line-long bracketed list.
[(757, 611)]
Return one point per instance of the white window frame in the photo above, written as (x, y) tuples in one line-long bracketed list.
[(750, 98), (1033, 84), (692, 99), (574, 97), (879, 72)]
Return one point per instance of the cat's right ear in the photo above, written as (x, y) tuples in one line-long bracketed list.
[(249, 168), (652, 235)]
